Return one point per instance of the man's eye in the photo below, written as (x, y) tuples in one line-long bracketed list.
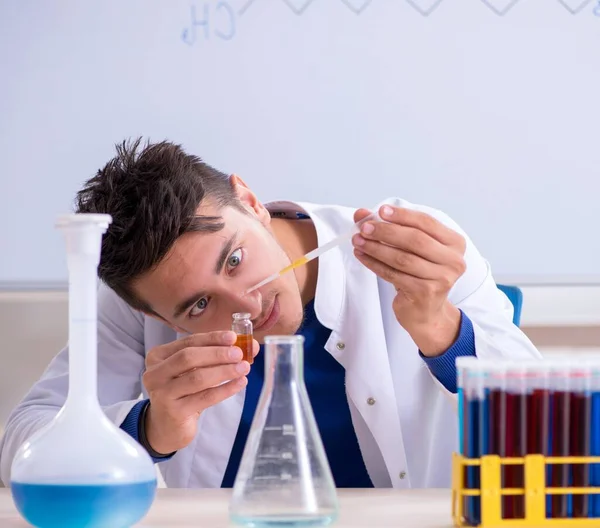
[(199, 307), (235, 259)]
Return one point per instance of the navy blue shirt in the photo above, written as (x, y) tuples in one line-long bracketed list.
[(325, 383)]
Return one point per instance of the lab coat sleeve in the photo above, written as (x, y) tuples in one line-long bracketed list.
[(488, 308), (121, 362)]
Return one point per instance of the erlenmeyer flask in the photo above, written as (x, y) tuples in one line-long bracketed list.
[(284, 477), (81, 470)]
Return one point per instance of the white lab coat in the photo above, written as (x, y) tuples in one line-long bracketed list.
[(406, 436)]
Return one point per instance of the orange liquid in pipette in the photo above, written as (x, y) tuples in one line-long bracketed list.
[(297, 263), (244, 341), (294, 265)]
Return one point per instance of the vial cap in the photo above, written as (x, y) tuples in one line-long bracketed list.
[(241, 315)]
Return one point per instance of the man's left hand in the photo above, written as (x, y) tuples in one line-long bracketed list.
[(423, 259)]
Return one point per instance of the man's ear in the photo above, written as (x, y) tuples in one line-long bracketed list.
[(249, 199)]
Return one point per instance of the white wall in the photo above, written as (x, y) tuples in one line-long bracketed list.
[(491, 118)]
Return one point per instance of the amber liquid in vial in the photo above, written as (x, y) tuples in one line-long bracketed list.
[(244, 341)]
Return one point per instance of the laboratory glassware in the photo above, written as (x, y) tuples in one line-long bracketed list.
[(80, 469), (284, 477), (242, 326)]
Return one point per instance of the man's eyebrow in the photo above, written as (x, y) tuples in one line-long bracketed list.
[(187, 303), (192, 299), (225, 250)]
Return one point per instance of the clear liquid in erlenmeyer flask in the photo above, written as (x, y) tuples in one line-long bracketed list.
[(81, 470), (284, 477)]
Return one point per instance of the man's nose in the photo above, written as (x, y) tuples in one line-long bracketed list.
[(251, 303)]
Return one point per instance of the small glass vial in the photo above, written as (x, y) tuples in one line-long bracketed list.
[(242, 326)]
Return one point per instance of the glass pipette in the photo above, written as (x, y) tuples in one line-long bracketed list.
[(316, 252)]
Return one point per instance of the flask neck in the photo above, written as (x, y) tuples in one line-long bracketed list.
[(284, 365), (83, 363)]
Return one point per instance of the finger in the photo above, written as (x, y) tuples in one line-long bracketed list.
[(206, 378), (421, 221), (202, 400), (255, 348), (359, 214), (380, 269), (191, 341), (408, 239), (398, 259), (196, 358), (412, 287)]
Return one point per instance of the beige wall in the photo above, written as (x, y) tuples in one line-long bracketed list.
[(33, 328)]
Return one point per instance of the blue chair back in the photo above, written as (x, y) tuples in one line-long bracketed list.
[(515, 295)]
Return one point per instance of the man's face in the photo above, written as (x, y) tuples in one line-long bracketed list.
[(201, 282)]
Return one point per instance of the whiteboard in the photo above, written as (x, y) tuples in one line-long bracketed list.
[(486, 109)]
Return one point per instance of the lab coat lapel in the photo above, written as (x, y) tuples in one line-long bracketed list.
[(347, 301), (217, 429)]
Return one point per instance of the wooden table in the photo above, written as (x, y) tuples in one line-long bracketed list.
[(373, 508)]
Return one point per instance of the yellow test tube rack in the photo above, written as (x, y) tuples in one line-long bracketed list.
[(535, 491)]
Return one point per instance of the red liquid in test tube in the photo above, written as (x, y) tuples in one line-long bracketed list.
[(580, 429), (560, 404), (515, 439)]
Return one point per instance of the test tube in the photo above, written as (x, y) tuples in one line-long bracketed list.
[(580, 430), (538, 407), (560, 406), (595, 434), (496, 395), (463, 364), (538, 412), (515, 438), (242, 326), (475, 432)]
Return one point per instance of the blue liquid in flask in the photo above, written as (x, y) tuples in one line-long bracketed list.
[(80, 470), (78, 506)]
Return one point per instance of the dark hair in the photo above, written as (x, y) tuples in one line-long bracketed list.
[(152, 194)]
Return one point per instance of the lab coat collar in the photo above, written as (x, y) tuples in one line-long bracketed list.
[(331, 277)]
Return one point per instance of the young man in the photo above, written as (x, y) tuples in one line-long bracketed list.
[(384, 317)]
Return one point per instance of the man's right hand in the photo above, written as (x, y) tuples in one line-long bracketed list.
[(185, 377)]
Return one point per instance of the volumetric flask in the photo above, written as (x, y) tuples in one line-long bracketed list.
[(284, 477), (81, 470)]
